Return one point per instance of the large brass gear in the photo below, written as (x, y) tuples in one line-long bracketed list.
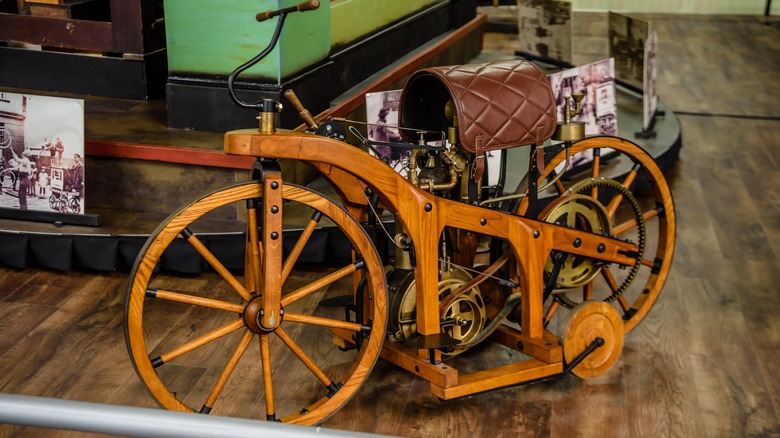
[(464, 317), (583, 271), (584, 213)]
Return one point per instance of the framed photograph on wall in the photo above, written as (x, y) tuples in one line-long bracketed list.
[(42, 153)]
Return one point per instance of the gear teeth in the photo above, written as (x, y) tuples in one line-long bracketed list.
[(641, 228)]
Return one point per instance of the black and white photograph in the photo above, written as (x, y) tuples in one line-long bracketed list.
[(545, 28), (598, 108), (382, 118), (41, 153), (650, 96), (596, 81), (627, 38)]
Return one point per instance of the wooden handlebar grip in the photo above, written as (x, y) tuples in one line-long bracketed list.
[(303, 112), (309, 5), (262, 16)]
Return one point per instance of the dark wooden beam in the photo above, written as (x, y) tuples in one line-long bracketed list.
[(57, 32)]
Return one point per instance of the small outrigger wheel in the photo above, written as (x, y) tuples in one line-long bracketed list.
[(596, 325)]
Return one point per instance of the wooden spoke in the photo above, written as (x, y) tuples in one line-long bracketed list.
[(560, 187), (610, 279), (628, 163), (631, 224), (265, 356), (300, 244), (194, 300), (615, 203), (238, 352), (255, 250), (623, 303), (300, 354), (149, 324), (554, 306), (587, 292), (201, 341), (319, 284), (595, 171), (217, 265), (322, 322)]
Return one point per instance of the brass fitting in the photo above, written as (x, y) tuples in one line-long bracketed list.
[(569, 130), (267, 116)]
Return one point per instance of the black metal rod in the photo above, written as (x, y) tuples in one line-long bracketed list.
[(598, 342)]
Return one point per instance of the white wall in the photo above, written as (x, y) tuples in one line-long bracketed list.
[(749, 7)]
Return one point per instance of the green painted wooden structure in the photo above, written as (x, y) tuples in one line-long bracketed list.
[(210, 38)]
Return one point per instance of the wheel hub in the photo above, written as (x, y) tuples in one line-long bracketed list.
[(253, 314), (583, 213)]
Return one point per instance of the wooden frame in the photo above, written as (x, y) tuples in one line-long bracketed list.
[(424, 217)]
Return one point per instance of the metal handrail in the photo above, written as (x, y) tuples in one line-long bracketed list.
[(144, 422)]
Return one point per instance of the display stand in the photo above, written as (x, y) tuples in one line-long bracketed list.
[(58, 219), (543, 59), (649, 132)]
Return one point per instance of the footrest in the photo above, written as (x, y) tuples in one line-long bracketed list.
[(426, 342)]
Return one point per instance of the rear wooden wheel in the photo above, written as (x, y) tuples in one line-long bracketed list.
[(621, 192), (196, 342)]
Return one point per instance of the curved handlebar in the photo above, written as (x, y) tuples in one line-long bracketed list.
[(282, 13), (300, 7)]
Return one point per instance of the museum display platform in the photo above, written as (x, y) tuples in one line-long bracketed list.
[(139, 170), (184, 173)]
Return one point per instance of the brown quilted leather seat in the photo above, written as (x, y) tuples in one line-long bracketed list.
[(499, 105)]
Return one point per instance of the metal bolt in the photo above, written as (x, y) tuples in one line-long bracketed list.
[(274, 209), (274, 185), (577, 242), (483, 221), (428, 207), (274, 235), (601, 248)]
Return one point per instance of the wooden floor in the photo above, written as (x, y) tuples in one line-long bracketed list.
[(700, 365)]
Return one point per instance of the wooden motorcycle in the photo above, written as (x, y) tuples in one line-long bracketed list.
[(556, 271)]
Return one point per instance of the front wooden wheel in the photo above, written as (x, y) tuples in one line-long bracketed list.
[(198, 345), (620, 191)]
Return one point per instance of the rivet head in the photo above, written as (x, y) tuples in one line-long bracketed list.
[(601, 248), (274, 185), (274, 209), (577, 242), (483, 221), (428, 207), (537, 234), (274, 235)]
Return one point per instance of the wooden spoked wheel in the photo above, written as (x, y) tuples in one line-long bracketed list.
[(199, 346), (588, 323), (618, 191)]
